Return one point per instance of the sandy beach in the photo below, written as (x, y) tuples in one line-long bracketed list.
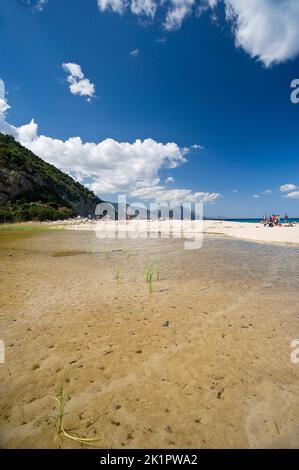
[(242, 230), (254, 232), (203, 361)]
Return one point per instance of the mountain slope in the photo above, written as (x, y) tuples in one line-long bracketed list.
[(29, 186)]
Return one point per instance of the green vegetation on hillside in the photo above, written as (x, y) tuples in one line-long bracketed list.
[(24, 212), (31, 189)]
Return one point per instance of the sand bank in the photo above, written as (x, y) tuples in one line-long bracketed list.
[(241, 230), (254, 232)]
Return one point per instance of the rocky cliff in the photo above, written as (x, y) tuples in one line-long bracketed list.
[(27, 180)]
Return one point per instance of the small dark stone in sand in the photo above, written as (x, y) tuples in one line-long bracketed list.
[(166, 324), (108, 352)]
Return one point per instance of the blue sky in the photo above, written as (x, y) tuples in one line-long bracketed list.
[(190, 104)]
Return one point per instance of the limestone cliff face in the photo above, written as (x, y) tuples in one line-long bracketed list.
[(26, 178)]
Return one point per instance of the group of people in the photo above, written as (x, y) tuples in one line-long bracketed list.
[(275, 220)]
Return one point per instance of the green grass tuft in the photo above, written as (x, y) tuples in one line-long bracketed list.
[(118, 273), (151, 270)]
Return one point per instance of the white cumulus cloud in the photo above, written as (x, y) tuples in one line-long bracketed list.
[(161, 194), (293, 195), (3, 103), (109, 166), (79, 85), (177, 12), (117, 6), (267, 30), (144, 7), (285, 188), (169, 180)]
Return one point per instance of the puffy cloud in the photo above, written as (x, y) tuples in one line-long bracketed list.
[(79, 85), (177, 12), (197, 147), (256, 196), (267, 30), (293, 195), (110, 166), (144, 7), (285, 188), (161, 194), (4, 107), (3, 104), (137, 7), (169, 180), (117, 6)]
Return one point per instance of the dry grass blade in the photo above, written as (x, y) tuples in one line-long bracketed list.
[(61, 401)]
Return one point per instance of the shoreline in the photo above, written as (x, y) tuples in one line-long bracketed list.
[(239, 230), (246, 231), (249, 231)]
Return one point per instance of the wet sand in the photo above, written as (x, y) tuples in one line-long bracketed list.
[(283, 234), (219, 375)]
